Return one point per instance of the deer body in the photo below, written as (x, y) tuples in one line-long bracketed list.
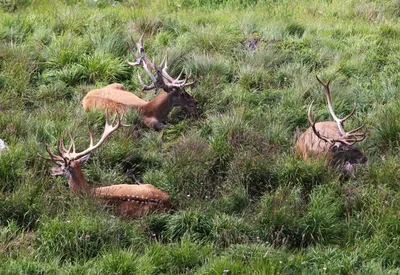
[(116, 98), (131, 200), (310, 145), (113, 97), (329, 139)]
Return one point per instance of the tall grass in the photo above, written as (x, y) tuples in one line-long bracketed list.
[(242, 202)]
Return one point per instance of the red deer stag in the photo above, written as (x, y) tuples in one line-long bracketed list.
[(115, 97), (132, 200), (328, 138)]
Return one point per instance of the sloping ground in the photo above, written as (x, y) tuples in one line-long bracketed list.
[(243, 203)]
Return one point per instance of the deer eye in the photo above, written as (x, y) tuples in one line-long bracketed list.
[(334, 149)]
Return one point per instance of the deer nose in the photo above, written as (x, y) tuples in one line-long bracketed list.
[(364, 160)]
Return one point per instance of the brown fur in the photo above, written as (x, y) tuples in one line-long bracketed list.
[(134, 200), (309, 145), (114, 98), (341, 156), (131, 200)]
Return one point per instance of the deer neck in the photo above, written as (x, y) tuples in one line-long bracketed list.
[(160, 106), (77, 180)]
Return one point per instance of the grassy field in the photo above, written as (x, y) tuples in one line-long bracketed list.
[(243, 202)]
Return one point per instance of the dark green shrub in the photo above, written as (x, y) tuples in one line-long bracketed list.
[(189, 167), (175, 258), (279, 217), (229, 230), (234, 199), (102, 67), (21, 210), (295, 29), (192, 224), (253, 171), (323, 221), (11, 168), (385, 134), (13, 5), (80, 237), (117, 262), (296, 171)]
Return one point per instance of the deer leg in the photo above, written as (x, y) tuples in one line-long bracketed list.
[(159, 125), (152, 122)]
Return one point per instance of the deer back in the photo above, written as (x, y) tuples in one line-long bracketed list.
[(134, 200), (113, 97)]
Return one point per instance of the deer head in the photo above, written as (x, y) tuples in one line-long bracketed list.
[(69, 162), (162, 80), (341, 152)]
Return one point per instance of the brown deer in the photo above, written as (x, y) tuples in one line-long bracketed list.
[(329, 139), (115, 97), (132, 200)]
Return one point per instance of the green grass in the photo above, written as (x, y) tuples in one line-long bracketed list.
[(242, 202)]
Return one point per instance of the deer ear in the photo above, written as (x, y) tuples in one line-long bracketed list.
[(84, 159)]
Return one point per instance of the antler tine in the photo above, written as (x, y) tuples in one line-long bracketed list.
[(53, 158), (113, 120), (330, 106), (165, 60), (146, 68), (176, 80), (356, 136), (122, 118), (187, 78), (325, 84), (72, 145), (139, 45), (353, 132), (108, 129), (144, 86), (312, 123), (142, 60), (190, 75), (352, 113), (138, 60), (50, 159), (353, 139), (165, 67), (61, 147), (90, 135)]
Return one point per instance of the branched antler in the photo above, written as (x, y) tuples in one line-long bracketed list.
[(162, 79), (65, 154), (349, 138)]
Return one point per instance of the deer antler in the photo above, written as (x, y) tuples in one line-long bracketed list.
[(65, 154), (53, 158), (108, 130), (348, 138), (163, 80)]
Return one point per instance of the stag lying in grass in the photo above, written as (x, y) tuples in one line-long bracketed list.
[(115, 97), (131, 200), (329, 139)]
